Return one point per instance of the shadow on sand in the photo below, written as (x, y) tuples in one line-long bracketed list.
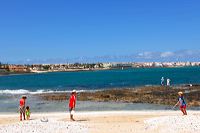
[(81, 120)]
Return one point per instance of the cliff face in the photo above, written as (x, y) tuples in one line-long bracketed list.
[(155, 95)]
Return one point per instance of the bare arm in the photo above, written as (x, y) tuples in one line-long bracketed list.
[(176, 104)]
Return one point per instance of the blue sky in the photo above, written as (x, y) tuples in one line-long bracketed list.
[(39, 29)]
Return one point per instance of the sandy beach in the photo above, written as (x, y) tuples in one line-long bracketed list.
[(105, 122)]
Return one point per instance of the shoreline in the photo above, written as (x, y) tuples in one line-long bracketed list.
[(123, 112), (15, 73), (150, 98), (80, 70), (41, 72)]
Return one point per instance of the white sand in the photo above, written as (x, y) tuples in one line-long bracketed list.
[(174, 124), (105, 122), (37, 126)]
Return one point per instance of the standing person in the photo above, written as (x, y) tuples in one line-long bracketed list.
[(182, 103), (22, 103), (72, 104), (162, 81), (28, 112), (168, 82)]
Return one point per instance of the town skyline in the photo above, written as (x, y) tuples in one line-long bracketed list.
[(6, 69)]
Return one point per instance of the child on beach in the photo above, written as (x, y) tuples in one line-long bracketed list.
[(182, 103), (28, 113)]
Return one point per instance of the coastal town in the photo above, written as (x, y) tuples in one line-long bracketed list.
[(69, 67)]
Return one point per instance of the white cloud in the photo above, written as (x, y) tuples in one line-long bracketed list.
[(146, 55), (166, 54), (181, 55)]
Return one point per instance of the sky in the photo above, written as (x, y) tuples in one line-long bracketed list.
[(38, 30)]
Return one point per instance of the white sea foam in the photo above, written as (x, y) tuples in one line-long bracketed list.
[(41, 91), (20, 91)]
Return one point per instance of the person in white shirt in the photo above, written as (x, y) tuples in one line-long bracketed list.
[(168, 82)]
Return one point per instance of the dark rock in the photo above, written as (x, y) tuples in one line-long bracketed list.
[(153, 94)]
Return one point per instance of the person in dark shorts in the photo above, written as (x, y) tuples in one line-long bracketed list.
[(72, 104), (182, 103)]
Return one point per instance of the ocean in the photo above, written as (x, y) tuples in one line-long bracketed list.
[(12, 86), (96, 80)]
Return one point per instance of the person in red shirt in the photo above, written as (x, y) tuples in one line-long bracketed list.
[(72, 104), (22, 107)]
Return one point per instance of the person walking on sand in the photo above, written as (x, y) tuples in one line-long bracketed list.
[(182, 103), (72, 104), (22, 107)]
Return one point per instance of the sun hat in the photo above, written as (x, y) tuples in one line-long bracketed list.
[(74, 91)]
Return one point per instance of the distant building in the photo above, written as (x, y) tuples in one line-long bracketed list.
[(17, 68), (3, 68), (107, 65)]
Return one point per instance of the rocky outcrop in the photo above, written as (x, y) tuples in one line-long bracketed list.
[(152, 94)]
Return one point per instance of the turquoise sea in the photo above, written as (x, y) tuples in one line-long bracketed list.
[(95, 80), (12, 86)]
